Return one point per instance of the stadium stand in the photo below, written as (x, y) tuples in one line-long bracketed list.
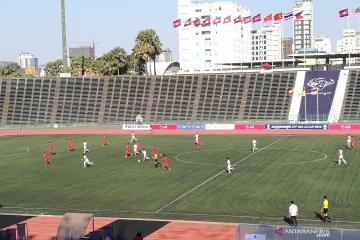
[(202, 97), (351, 104)]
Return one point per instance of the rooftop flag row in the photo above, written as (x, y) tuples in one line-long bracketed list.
[(252, 19)]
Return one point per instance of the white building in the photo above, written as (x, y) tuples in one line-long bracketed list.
[(164, 56), (205, 47), (349, 43), (266, 43), (303, 24), (25, 59), (322, 44)]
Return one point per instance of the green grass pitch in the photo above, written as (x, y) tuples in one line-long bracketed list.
[(299, 168)]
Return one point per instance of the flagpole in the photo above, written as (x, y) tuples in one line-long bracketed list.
[(282, 42), (293, 46), (348, 27), (305, 106), (295, 17), (317, 104)]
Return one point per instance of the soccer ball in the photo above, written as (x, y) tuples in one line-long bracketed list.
[(139, 160)]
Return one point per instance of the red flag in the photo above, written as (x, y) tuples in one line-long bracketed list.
[(197, 22), (344, 13), (299, 15), (238, 19), (268, 18), (314, 91), (266, 65), (356, 11), (278, 16), (188, 22), (227, 19), (256, 18), (206, 22), (247, 19), (217, 20), (177, 23)]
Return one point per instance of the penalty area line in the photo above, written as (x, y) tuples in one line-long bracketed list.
[(216, 175)]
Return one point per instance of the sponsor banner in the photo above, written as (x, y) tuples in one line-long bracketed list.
[(263, 232), (219, 126), (249, 126), (163, 126), (344, 126), (319, 90), (190, 126), (135, 126), (296, 127)]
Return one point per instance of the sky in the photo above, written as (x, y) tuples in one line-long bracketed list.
[(34, 26)]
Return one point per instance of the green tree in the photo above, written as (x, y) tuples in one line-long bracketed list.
[(147, 45), (137, 63), (53, 69), (10, 70), (115, 62), (81, 66)]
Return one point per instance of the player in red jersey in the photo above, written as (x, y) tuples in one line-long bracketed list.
[(139, 150), (104, 140), (70, 145), (50, 148), (45, 156), (155, 151), (165, 164), (352, 142), (127, 150), (198, 142)]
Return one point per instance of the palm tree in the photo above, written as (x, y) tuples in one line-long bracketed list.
[(148, 44)]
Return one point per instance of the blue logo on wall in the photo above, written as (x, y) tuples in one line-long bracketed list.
[(190, 126)]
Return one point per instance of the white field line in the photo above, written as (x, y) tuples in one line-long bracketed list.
[(216, 175)]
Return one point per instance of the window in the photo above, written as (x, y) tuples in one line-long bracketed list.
[(207, 64), (207, 52), (207, 42)]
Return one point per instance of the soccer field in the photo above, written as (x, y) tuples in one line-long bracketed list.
[(296, 167)]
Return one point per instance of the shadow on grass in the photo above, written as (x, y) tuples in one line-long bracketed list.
[(318, 216), (288, 220)]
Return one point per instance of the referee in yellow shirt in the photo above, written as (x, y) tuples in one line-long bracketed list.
[(325, 209)]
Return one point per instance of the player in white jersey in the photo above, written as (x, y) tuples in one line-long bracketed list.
[(341, 156), (196, 138), (133, 138), (254, 142), (348, 141), (229, 167), (135, 148), (86, 161), (85, 147), (145, 157)]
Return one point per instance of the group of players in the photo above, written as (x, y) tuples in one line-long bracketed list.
[(46, 155), (137, 150), (350, 144)]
